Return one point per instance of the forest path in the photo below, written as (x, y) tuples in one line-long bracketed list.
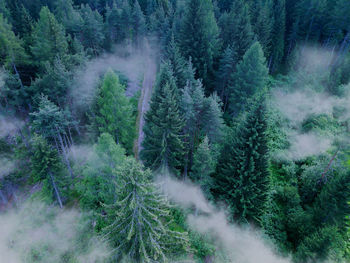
[(146, 92)]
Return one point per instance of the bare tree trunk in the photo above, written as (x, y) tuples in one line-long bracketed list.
[(56, 190), (65, 154)]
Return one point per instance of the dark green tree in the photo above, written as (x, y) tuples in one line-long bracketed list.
[(162, 146), (92, 32), (249, 78), (198, 38), (49, 39), (138, 25), (236, 29), (47, 168), (225, 74), (242, 176), (203, 167)]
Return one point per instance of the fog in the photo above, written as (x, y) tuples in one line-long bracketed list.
[(8, 125), (241, 245), (305, 96), (36, 232), (129, 61)]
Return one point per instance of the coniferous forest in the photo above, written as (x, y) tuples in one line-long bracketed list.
[(144, 131)]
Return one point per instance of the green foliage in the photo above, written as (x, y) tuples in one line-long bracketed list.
[(199, 38), (163, 146), (49, 39), (203, 166), (139, 218), (242, 176), (47, 168), (250, 78), (96, 186), (11, 47), (114, 111)]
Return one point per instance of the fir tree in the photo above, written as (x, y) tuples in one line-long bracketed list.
[(236, 29), (49, 39), (224, 76), (91, 35), (54, 83), (250, 77), (47, 168), (203, 166), (177, 62), (138, 25), (162, 146), (138, 219), (242, 175), (199, 38), (114, 111)]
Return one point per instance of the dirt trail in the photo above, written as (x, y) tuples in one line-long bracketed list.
[(146, 92)]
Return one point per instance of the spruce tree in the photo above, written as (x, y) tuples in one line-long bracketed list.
[(114, 111), (224, 76), (249, 78), (203, 167), (278, 35), (49, 39), (92, 31), (236, 29), (241, 179), (138, 220), (162, 146), (199, 38), (47, 168), (177, 62), (138, 24)]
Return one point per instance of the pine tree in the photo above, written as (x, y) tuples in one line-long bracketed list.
[(95, 187), (224, 76), (138, 219), (47, 168), (49, 39), (236, 29), (177, 62), (278, 35), (92, 31), (114, 111), (113, 25), (11, 47), (263, 24), (199, 38), (138, 25), (68, 16), (54, 83), (242, 174), (192, 107), (203, 167), (162, 146), (250, 77)]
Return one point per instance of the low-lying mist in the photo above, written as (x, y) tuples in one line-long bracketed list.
[(241, 245), (131, 62), (36, 232)]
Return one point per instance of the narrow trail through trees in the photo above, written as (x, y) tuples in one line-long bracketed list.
[(146, 92)]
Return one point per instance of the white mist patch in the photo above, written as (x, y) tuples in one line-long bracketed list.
[(81, 154), (307, 144), (6, 167), (9, 126), (242, 246), (300, 104), (38, 233), (132, 64)]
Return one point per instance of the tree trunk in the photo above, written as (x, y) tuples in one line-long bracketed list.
[(56, 190), (65, 154)]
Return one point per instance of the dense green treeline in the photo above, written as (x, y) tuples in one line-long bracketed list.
[(218, 116)]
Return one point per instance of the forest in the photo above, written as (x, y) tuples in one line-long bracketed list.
[(179, 131)]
